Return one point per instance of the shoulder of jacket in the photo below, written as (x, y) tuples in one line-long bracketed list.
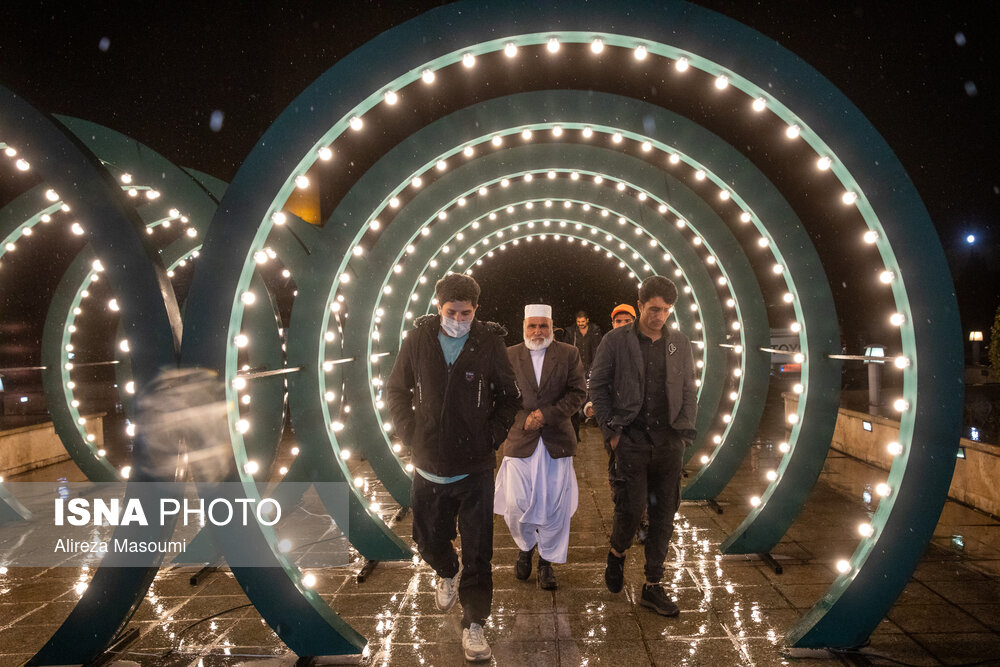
[(424, 320), (493, 328), (565, 348)]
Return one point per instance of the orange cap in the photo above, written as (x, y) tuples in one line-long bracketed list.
[(623, 308)]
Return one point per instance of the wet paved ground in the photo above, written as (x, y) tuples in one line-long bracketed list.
[(734, 610)]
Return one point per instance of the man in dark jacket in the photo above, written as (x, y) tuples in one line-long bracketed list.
[(645, 399), (453, 396), (586, 337)]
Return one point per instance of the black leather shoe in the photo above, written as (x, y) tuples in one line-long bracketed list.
[(522, 568), (614, 573), (657, 599), (546, 577)]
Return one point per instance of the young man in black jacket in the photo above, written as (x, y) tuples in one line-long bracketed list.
[(643, 387), (453, 397)]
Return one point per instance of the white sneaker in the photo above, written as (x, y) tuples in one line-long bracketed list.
[(447, 591), (474, 644)]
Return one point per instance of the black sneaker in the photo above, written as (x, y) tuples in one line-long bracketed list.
[(614, 573), (522, 568), (657, 599), (546, 577)]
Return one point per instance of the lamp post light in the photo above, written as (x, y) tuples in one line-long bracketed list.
[(976, 338), (874, 376)]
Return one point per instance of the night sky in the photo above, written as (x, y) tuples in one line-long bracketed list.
[(157, 71)]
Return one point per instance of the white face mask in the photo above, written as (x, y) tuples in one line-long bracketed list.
[(454, 328)]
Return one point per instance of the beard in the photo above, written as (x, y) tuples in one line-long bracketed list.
[(538, 343)]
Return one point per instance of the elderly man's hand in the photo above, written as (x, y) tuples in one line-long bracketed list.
[(534, 421)]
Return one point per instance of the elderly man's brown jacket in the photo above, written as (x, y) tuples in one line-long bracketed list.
[(561, 393)]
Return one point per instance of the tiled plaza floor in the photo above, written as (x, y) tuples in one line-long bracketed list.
[(735, 610)]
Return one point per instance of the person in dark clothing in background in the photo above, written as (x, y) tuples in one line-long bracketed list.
[(586, 337), (643, 387), (453, 396)]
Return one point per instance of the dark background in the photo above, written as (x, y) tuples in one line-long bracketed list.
[(925, 78)]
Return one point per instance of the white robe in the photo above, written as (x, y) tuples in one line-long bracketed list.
[(538, 495)]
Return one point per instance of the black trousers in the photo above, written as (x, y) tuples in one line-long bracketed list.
[(647, 472), (435, 509)]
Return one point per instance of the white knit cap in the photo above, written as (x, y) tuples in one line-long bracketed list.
[(537, 310)]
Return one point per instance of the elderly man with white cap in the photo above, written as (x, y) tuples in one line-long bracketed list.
[(536, 489)]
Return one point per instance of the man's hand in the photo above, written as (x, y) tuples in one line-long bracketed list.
[(614, 441), (588, 410), (534, 421)]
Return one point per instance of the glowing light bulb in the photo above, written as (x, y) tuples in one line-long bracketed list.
[(552, 45), (871, 236), (754, 501), (721, 82), (242, 425), (793, 418), (897, 319), (126, 471), (391, 97), (557, 131), (865, 529), (682, 64), (795, 327), (784, 447), (901, 405), (771, 475), (510, 50), (823, 163), (345, 454), (759, 104), (798, 357), (597, 45), (239, 383), (123, 345), (468, 60), (640, 52), (704, 458), (251, 467), (113, 305), (901, 362), (356, 123), (241, 340), (76, 228), (883, 489), (792, 131), (849, 198), (302, 181), (894, 448), (843, 566), (309, 580), (496, 140), (294, 451)]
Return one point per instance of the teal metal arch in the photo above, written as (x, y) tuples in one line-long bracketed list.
[(708, 40), (148, 312)]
